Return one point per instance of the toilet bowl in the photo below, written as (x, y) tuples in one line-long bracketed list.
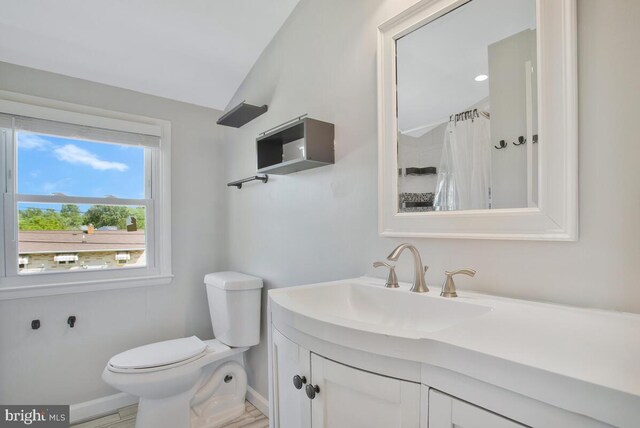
[(189, 382)]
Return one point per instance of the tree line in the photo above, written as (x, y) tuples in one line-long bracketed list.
[(70, 218)]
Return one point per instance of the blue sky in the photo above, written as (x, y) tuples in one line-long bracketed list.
[(48, 165)]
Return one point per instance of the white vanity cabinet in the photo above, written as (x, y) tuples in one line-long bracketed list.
[(357, 389), (446, 411), (346, 397), (351, 398), (290, 406), (392, 358)]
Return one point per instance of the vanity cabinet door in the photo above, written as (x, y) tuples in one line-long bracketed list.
[(291, 407), (352, 398), (449, 412)]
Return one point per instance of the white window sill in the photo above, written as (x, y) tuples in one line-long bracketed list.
[(52, 289)]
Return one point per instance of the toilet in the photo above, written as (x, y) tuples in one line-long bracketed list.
[(190, 382)]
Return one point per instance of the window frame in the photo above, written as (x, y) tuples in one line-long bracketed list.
[(157, 203)]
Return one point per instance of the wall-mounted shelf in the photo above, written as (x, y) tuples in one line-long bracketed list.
[(239, 183), (427, 170), (241, 114), (302, 144)]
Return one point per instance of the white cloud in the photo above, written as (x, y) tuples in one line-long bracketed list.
[(55, 186), (33, 142), (78, 156)]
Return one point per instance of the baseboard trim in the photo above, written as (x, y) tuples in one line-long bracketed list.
[(258, 401), (101, 406)]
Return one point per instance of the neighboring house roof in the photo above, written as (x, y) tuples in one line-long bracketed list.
[(70, 241)]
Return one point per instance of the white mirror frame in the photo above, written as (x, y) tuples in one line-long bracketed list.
[(556, 217)]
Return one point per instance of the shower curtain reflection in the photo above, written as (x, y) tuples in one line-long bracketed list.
[(464, 177)]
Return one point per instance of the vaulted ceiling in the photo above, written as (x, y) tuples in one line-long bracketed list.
[(197, 51)]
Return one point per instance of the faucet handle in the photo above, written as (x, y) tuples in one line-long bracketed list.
[(392, 279), (449, 287), (469, 272)]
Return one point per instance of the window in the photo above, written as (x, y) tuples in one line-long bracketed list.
[(64, 258), (23, 262), (85, 198), (123, 256)]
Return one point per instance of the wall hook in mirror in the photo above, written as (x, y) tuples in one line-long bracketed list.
[(535, 139), (501, 145), (521, 141)]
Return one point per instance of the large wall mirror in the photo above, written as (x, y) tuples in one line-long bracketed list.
[(477, 111)]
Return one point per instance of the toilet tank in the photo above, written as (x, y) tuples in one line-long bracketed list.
[(234, 306)]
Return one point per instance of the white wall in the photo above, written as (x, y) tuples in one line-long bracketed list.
[(56, 364), (508, 96), (321, 224)]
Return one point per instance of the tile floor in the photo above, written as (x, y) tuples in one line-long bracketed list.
[(126, 418)]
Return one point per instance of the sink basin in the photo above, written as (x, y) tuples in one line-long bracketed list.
[(377, 309)]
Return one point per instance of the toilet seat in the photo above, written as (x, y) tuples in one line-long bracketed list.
[(159, 356)]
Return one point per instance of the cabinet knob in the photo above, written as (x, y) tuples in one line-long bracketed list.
[(298, 381), (311, 391)]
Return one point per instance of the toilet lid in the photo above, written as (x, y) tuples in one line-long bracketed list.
[(159, 354)]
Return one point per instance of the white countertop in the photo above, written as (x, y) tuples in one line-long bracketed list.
[(587, 359)]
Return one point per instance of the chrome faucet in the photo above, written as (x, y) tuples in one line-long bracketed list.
[(392, 279), (419, 283), (449, 287)]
